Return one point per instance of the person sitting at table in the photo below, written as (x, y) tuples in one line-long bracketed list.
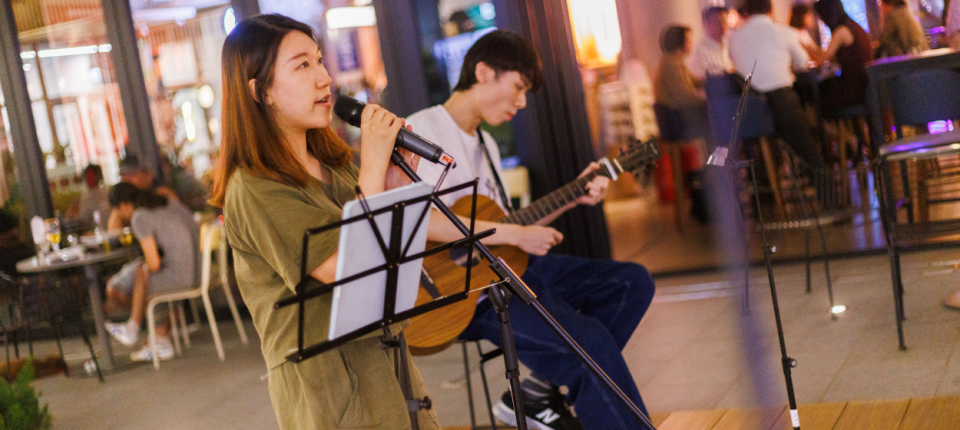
[(802, 20), (850, 48), (773, 52), (96, 198), (132, 172), (900, 33), (160, 224), (711, 56)]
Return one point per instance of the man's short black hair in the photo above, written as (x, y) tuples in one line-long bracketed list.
[(713, 11), (502, 51), (756, 7), (673, 38), (123, 192)]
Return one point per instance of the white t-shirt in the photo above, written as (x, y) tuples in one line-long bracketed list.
[(710, 58), (773, 47), (436, 125)]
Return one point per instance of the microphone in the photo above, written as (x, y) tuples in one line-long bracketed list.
[(349, 110)]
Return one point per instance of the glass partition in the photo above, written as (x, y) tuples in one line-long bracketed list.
[(76, 101)]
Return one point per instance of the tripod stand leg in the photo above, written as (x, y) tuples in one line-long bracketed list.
[(499, 300), (787, 362)]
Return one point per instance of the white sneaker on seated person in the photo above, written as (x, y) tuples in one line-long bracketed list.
[(126, 333), (164, 350)]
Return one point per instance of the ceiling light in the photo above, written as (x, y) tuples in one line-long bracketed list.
[(62, 52), (165, 14), (350, 17), (229, 20)]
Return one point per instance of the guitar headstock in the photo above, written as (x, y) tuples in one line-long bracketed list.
[(637, 155)]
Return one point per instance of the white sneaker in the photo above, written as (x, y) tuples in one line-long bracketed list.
[(122, 333), (164, 351)]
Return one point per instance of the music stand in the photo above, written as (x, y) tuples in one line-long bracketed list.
[(719, 158), (394, 254)]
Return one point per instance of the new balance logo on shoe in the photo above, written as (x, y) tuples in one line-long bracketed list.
[(548, 416), (541, 414)]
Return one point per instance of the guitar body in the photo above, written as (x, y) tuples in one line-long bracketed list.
[(435, 331)]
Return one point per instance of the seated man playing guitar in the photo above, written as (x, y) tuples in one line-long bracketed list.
[(599, 302)]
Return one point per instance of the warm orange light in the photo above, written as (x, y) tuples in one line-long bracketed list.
[(596, 31)]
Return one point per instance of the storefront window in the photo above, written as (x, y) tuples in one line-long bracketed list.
[(180, 55), (11, 196), (76, 101)]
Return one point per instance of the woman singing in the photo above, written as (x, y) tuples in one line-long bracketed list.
[(284, 170)]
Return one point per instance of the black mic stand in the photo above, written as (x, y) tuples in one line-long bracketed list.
[(719, 158), (511, 284)]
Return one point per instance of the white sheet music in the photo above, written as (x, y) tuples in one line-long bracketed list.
[(359, 303)]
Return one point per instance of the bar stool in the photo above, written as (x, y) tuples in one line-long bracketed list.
[(848, 120), (672, 135)]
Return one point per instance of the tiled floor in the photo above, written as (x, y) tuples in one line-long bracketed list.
[(644, 231), (686, 355)]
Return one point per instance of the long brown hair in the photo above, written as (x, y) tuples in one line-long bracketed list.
[(251, 139)]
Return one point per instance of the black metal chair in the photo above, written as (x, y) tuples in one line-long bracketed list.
[(484, 358), (30, 301), (916, 99)]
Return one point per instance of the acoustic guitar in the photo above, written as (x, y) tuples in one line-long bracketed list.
[(444, 272)]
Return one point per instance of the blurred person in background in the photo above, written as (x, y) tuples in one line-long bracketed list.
[(170, 241), (802, 20), (900, 33), (674, 85), (711, 56), (773, 52), (850, 48), (140, 176), (96, 199), (183, 182)]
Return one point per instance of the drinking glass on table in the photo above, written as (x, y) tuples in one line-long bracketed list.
[(51, 228), (126, 236)]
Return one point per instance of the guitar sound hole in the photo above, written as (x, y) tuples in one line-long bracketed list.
[(459, 256)]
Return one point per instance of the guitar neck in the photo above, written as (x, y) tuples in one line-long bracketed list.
[(552, 202)]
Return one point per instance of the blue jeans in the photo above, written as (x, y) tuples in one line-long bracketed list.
[(600, 303)]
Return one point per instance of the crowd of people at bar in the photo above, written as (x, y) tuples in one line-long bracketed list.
[(748, 41)]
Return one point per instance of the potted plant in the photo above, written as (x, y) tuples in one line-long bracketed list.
[(20, 407)]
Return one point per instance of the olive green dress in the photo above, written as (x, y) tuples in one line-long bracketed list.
[(353, 386)]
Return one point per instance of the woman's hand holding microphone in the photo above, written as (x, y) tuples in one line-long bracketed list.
[(378, 135)]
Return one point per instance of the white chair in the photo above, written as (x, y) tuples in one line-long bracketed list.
[(211, 239)]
